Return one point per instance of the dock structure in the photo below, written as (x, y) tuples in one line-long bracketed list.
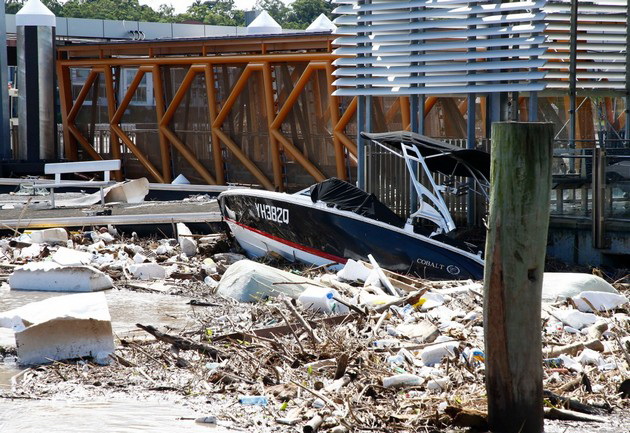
[(283, 110)]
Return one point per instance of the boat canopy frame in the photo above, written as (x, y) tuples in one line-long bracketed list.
[(443, 158)]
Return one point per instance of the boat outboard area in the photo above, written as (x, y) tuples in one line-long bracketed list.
[(335, 221)]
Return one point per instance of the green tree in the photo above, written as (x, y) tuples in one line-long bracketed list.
[(218, 13), (276, 8), (304, 12), (13, 6)]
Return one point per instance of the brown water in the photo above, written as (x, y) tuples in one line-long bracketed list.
[(51, 416)]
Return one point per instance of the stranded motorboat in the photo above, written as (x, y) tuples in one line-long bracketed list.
[(335, 221)]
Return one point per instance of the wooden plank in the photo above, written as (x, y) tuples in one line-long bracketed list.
[(515, 259)]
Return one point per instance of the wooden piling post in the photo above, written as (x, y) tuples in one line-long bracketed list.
[(515, 259)]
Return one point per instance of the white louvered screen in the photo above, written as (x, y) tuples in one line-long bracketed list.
[(601, 44), (439, 47), (458, 46)]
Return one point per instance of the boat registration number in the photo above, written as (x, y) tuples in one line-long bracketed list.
[(272, 213)]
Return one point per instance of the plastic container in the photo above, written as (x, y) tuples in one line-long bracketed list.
[(439, 384), (253, 400), (321, 299), (553, 362), (400, 380), (433, 354)]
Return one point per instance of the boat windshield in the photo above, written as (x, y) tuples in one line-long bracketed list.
[(345, 196)]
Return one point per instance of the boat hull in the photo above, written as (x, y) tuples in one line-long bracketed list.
[(300, 230)]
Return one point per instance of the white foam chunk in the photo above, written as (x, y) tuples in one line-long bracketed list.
[(50, 276), (148, 271), (354, 271), (69, 257), (51, 236), (601, 301), (575, 319), (63, 327), (186, 240), (562, 285)]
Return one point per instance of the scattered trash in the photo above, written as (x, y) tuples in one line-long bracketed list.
[(398, 352)]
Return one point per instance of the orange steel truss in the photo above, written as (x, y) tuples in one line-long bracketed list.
[(257, 56)]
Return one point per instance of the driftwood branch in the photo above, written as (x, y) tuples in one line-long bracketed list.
[(182, 343)]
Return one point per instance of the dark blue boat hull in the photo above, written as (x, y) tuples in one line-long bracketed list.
[(339, 237)]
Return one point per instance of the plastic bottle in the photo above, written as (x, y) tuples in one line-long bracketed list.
[(254, 400), (399, 380), (553, 362), (321, 299)]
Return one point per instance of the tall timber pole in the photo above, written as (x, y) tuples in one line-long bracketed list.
[(36, 77), (515, 258)]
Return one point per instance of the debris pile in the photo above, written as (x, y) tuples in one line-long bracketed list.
[(276, 346)]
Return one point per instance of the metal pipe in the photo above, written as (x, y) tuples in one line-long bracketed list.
[(217, 153), (5, 128), (572, 78), (160, 108), (360, 142), (599, 197)]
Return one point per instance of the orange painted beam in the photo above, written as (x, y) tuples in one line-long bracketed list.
[(65, 99), (211, 60), (238, 152), (111, 110), (276, 161), (182, 148), (217, 153), (81, 96), (340, 157), (114, 124), (234, 94), (160, 108), (83, 141)]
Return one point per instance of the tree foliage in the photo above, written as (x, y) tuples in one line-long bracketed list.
[(297, 15)]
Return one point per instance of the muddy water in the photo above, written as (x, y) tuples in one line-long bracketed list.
[(105, 416), (126, 308)]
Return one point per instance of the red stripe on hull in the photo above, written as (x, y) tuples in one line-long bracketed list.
[(304, 248)]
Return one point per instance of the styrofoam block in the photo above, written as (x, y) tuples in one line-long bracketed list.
[(574, 318), (62, 327), (51, 236), (31, 251), (148, 271), (432, 355), (186, 241), (69, 257), (562, 285), (133, 191), (354, 271), (601, 301), (50, 276)]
